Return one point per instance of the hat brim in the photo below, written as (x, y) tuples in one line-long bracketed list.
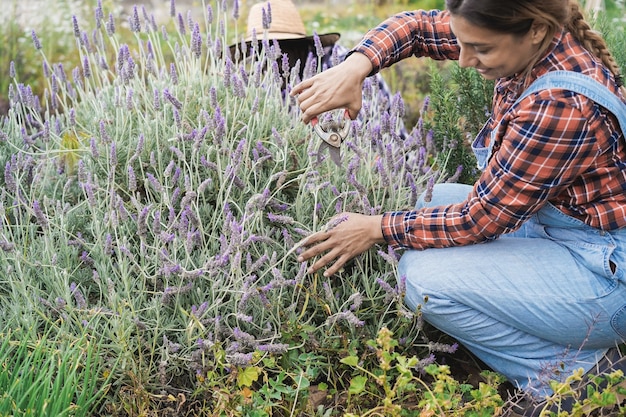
[(326, 39)]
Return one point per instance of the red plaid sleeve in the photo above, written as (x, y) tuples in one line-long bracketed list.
[(550, 143), (418, 33)]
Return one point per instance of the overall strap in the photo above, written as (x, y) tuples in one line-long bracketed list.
[(581, 84)]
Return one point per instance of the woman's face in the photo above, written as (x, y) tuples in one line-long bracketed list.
[(495, 54)]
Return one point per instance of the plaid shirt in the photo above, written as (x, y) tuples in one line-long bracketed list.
[(554, 147)]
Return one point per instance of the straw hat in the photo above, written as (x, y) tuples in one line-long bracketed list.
[(286, 23)]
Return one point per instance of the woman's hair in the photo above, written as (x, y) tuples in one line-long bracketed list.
[(517, 17)]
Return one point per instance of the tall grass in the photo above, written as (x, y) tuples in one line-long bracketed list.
[(41, 376)]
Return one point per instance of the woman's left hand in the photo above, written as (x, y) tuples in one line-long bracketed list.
[(353, 235)]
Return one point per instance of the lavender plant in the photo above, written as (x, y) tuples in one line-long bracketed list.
[(154, 198)]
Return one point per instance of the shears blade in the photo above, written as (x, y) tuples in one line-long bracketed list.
[(332, 133)]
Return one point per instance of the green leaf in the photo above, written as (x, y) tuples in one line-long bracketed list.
[(350, 361), (357, 385), (247, 376)]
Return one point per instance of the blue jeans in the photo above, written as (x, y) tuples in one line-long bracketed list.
[(535, 304)]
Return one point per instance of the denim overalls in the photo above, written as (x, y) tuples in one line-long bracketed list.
[(537, 303)]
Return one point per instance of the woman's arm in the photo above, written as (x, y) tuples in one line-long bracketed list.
[(418, 33)]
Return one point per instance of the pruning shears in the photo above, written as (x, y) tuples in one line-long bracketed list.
[(332, 133)]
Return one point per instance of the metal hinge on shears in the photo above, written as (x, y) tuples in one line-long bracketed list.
[(332, 132)]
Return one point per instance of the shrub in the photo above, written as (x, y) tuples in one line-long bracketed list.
[(154, 199)]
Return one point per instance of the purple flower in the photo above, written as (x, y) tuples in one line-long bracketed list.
[(154, 182), (196, 41), (209, 14), (75, 26), (142, 227), (181, 25), (319, 48), (443, 347), (280, 219), (36, 41), (173, 73), (199, 311), (276, 348), (110, 25), (113, 155), (86, 259), (133, 20), (347, 316), (39, 215), (177, 104), (6, 246), (78, 296), (157, 100), (239, 359), (45, 69), (132, 179), (129, 100)]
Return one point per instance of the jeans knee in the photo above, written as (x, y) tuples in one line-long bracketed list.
[(444, 194), (417, 281)]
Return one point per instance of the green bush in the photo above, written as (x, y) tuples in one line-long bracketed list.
[(157, 196)]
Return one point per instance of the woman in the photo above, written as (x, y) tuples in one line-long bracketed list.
[(545, 292)]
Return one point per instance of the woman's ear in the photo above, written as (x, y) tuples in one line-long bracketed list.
[(538, 32)]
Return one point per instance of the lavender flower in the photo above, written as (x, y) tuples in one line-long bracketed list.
[(6, 246), (9, 179), (280, 219), (78, 296), (129, 100), (133, 20), (12, 69), (177, 104), (196, 41), (347, 316), (199, 311), (110, 25), (86, 259), (275, 348), (98, 14), (268, 16), (157, 100), (155, 183), (39, 215), (240, 359), (36, 41), (142, 227), (319, 48), (173, 73), (428, 195), (76, 27), (113, 155), (443, 347), (181, 25), (132, 179), (457, 174), (86, 68)]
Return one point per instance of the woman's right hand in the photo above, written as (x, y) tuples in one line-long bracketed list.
[(340, 86)]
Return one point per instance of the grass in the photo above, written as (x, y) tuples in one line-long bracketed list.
[(43, 376)]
